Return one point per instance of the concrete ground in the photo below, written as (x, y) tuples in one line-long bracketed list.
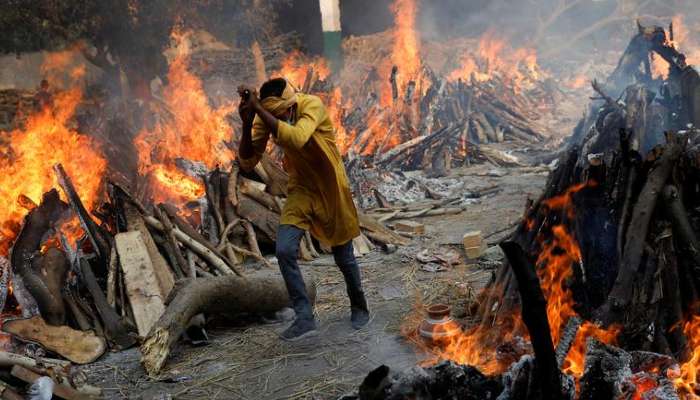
[(248, 361)]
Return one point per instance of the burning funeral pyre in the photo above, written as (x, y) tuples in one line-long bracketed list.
[(598, 297), (112, 240)]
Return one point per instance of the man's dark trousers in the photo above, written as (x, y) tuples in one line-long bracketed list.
[(288, 238)]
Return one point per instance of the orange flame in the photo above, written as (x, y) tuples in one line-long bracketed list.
[(685, 41), (682, 41), (494, 57), (643, 383), (557, 258), (296, 66), (405, 51), (29, 154), (189, 127), (686, 382)]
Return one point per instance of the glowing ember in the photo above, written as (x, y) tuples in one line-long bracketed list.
[(29, 154), (190, 128), (643, 384)]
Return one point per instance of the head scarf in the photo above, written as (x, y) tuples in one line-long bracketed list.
[(278, 105)]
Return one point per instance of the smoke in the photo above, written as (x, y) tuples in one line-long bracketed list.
[(560, 30)]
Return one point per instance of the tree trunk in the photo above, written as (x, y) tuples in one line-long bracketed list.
[(227, 295)]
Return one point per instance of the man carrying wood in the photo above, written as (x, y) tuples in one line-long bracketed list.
[(319, 198)]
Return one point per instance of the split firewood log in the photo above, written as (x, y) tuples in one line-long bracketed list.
[(226, 295), (77, 346), (142, 286), (161, 269)]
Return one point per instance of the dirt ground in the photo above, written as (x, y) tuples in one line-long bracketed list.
[(250, 362)]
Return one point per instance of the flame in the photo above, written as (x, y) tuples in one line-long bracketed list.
[(296, 66), (558, 256), (336, 111), (577, 82), (660, 68), (29, 154), (686, 382), (494, 58), (685, 41), (405, 50), (187, 127)]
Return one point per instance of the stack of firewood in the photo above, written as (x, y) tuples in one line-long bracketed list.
[(146, 273), (626, 191), (458, 120)]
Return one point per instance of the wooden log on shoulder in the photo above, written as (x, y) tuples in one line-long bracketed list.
[(227, 295)]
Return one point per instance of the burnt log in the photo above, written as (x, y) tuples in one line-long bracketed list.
[(26, 249), (547, 377), (633, 249), (685, 238), (98, 238), (116, 330)]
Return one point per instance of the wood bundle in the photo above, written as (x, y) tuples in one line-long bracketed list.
[(457, 120), (628, 196)]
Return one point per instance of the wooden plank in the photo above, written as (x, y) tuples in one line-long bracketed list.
[(142, 286), (410, 227), (164, 274), (77, 346)]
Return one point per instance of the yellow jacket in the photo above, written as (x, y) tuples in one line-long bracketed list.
[(319, 197)]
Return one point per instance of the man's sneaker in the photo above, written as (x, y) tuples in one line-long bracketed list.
[(359, 317), (299, 329)]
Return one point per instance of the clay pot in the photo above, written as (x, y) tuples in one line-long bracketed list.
[(438, 327)]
